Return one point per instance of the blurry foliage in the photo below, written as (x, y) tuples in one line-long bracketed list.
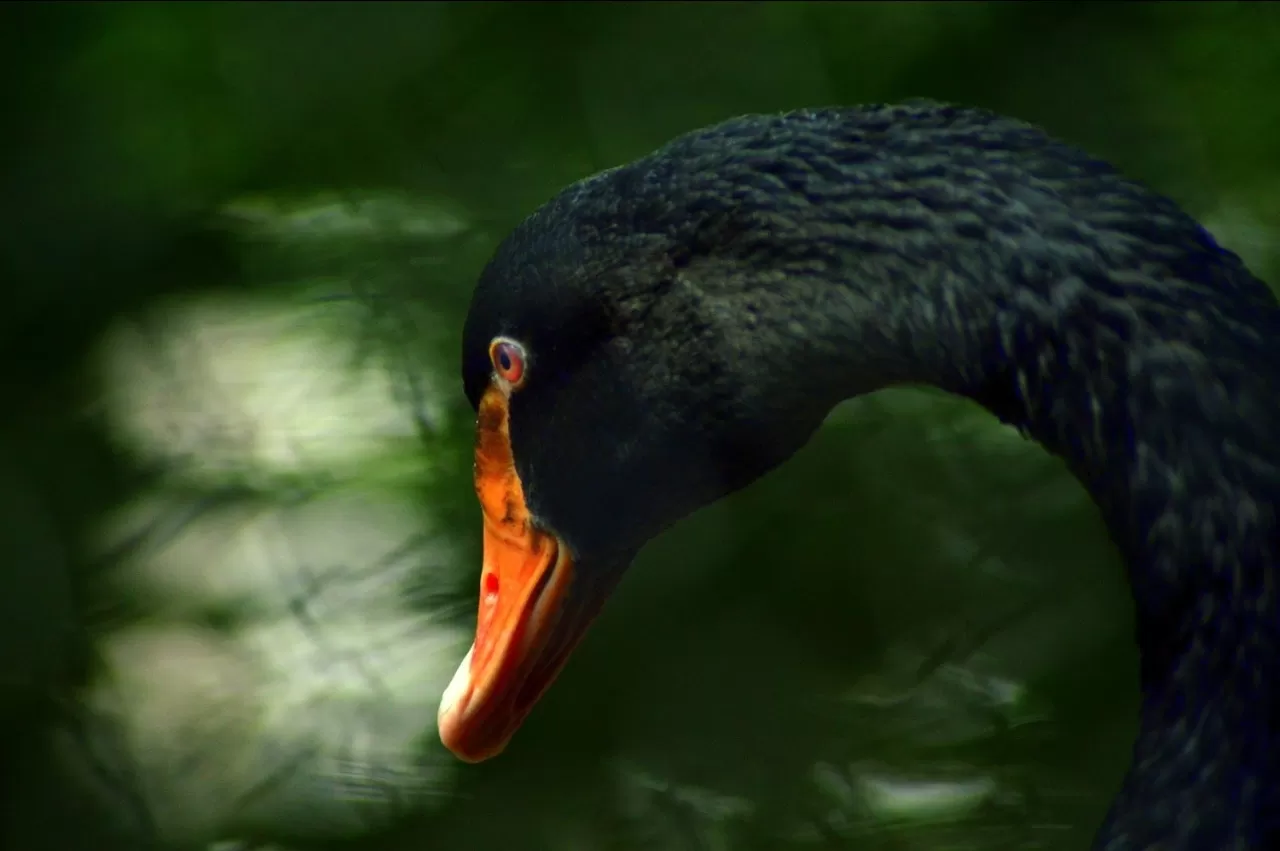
[(913, 636)]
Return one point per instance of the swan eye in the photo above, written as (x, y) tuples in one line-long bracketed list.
[(508, 361)]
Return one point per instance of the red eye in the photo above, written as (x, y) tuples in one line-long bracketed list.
[(508, 360)]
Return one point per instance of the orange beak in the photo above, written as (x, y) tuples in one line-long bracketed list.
[(525, 630)]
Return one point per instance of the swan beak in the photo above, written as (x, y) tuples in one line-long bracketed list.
[(525, 630)]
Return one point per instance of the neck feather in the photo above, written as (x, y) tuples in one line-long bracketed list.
[(946, 246)]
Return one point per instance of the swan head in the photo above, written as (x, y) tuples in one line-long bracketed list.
[(630, 359)]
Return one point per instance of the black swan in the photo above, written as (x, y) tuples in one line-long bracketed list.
[(666, 332)]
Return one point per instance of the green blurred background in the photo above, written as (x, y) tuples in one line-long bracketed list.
[(239, 546)]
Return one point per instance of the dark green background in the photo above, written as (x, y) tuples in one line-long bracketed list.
[(919, 597)]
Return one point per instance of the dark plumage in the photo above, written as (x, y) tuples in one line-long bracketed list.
[(691, 317)]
